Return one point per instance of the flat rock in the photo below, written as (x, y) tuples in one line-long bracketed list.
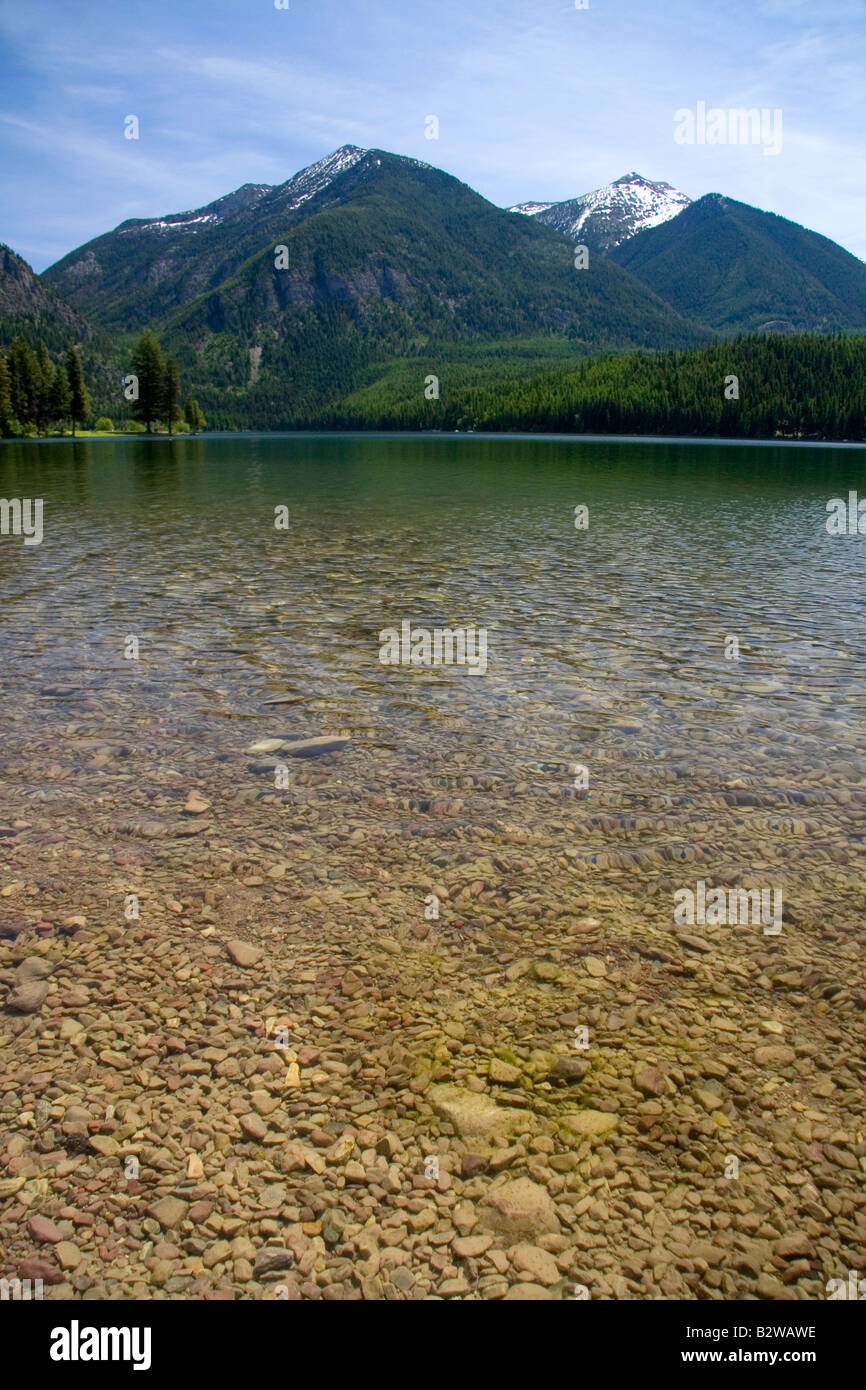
[(242, 953), (27, 998), (790, 1247), (774, 1056), (42, 1229), (568, 1069), (254, 1126), (695, 943), (503, 1072), (470, 1247), (273, 1258), (168, 1211), (529, 1259), (589, 1121), (519, 1209), (476, 1118), (649, 1080), (34, 968), (301, 748), (68, 1254), (39, 1269)]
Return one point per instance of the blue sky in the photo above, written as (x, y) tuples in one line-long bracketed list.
[(535, 99)]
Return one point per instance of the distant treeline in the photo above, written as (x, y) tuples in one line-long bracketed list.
[(766, 386), (758, 387), (43, 394)]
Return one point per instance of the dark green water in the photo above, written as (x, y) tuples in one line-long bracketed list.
[(606, 646)]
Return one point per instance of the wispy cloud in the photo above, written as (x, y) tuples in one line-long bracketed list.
[(535, 100)]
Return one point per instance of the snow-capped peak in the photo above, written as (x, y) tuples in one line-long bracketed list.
[(610, 215), (313, 179), (531, 209)]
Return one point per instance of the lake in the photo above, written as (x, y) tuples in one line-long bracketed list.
[(606, 645), (576, 924)]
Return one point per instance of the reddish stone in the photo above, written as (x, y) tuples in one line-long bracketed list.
[(80, 1218), (40, 1269), (200, 1211), (42, 1229), (471, 1164)]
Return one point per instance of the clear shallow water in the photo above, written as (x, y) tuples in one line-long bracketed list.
[(606, 646)]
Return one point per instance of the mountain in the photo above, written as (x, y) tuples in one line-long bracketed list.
[(32, 308), (146, 267), (386, 257), (736, 268), (611, 215)]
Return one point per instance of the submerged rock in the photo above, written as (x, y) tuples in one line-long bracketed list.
[(302, 748), (519, 1209), (477, 1118)]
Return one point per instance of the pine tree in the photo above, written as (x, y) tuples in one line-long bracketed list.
[(170, 393), (193, 415), (47, 373), (24, 382), (148, 365), (5, 397), (79, 407), (60, 399)]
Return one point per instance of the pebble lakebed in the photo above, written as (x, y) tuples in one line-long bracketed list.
[(266, 1172)]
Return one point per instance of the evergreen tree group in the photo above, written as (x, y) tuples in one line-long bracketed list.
[(766, 386), (38, 393), (157, 388)]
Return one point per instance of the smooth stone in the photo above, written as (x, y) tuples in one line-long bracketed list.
[(589, 1121), (529, 1259), (168, 1211), (477, 1118), (243, 954), (773, 1056), (27, 998), (519, 1208), (42, 1229)]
